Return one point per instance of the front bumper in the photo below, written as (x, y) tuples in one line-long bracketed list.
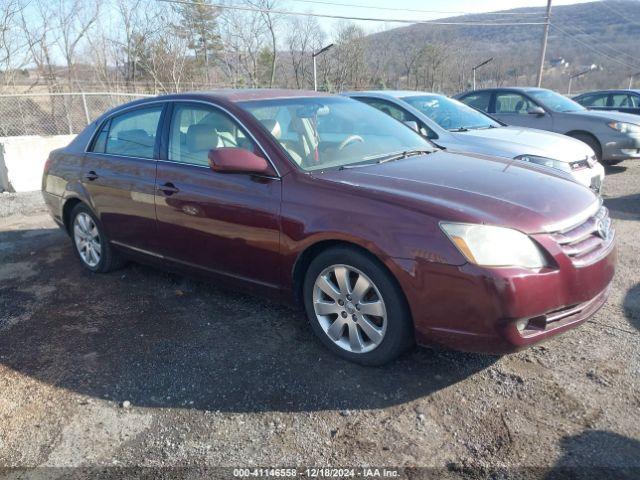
[(620, 147), (592, 177), (481, 309)]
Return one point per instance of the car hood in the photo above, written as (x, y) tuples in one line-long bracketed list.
[(608, 115), (472, 188), (513, 141)]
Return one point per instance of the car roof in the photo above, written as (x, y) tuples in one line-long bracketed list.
[(246, 94), (390, 93), (499, 89), (612, 90), (239, 95)]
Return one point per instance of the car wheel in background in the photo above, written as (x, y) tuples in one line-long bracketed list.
[(356, 308), (90, 242), (591, 141)]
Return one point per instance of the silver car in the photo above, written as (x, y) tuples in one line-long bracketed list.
[(614, 136), (455, 126)]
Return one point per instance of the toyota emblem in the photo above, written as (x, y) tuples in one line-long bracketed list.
[(602, 228)]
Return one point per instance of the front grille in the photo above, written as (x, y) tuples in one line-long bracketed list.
[(587, 162), (589, 241), (580, 164)]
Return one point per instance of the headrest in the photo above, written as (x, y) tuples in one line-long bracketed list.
[(137, 136), (201, 137), (219, 122), (273, 126)]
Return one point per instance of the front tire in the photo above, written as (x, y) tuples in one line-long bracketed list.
[(592, 142), (356, 308), (90, 243)]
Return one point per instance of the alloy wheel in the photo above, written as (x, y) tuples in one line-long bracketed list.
[(87, 239), (349, 308)]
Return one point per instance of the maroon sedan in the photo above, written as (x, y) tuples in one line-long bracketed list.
[(325, 201)]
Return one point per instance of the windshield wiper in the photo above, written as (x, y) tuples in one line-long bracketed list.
[(471, 127), (386, 157)]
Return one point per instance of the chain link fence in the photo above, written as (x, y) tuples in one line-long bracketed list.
[(55, 113)]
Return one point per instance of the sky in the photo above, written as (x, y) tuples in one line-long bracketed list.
[(467, 6)]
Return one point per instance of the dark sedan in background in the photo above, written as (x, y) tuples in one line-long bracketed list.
[(625, 101), (330, 203), (613, 136)]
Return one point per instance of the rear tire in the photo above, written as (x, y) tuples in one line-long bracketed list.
[(90, 243), (364, 317)]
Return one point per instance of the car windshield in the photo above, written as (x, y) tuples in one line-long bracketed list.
[(556, 102), (450, 114), (325, 132)]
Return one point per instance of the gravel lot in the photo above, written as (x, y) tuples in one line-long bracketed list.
[(216, 378)]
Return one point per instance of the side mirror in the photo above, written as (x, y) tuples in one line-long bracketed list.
[(237, 160), (539, 111), (412, 124)]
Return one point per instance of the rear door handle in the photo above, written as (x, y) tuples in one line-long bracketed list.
[(168, 188), (91, 176)]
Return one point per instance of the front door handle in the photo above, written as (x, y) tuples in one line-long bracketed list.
[(91, 176), (168, 188)]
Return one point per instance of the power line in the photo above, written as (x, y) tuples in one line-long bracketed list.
[(590, 47), (620, 14), (604, 45), (397, 9), (345, 17)]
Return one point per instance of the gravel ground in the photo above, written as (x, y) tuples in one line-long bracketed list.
[(142, 368)]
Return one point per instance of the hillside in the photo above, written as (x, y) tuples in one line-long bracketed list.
[(612, 27)]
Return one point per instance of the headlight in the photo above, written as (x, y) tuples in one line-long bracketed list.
[(546, 162), (494, 246), (624, 127)]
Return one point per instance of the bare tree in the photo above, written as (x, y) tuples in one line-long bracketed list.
[(271, 22), (243, 34), (303, 38), (348, 64), (37, 31), (72, 20), (13, 47)]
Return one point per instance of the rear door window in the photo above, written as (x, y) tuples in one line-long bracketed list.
[(595, 100), (478, 100), (512, 103), (621, 100), (131, 134)]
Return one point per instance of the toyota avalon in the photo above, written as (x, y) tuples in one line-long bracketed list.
[(326, 202)]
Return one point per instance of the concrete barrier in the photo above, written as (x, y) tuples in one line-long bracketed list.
[(22, 160)]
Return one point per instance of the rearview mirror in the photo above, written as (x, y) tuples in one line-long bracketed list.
[(237, 160), (412, 124), (536, 111)]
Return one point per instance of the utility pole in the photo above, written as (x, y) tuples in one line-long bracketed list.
[(315, 73), (545, 36), (477, 67), (631, 79), (579, 74)]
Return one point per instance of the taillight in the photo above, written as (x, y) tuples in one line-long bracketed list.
[(47, 164)]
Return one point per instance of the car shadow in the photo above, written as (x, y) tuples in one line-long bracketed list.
[(597, 454), (157, 339), (614, 169), (631, 305), (624, 208)]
